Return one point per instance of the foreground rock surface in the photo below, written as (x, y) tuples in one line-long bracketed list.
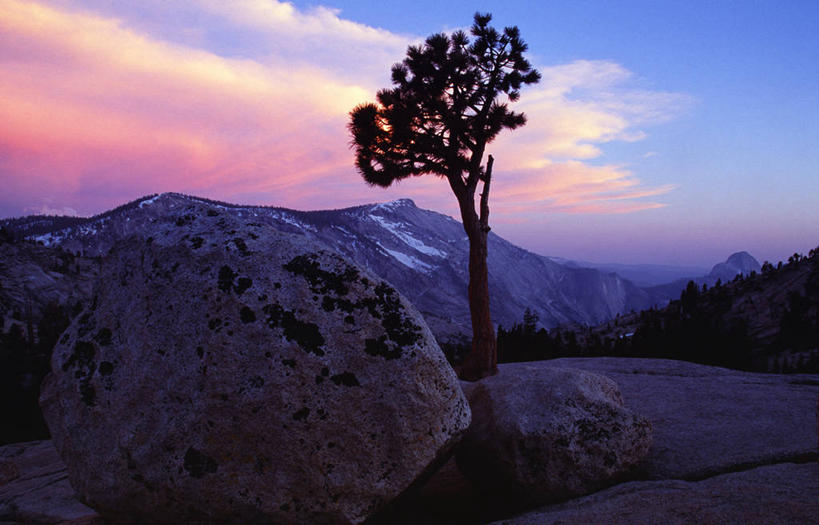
[(710, 420), (778, 431), (542, 434), (34, 486), (781, 494), (224, 376)]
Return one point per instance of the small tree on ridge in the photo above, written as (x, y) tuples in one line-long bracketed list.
[(438, 119)]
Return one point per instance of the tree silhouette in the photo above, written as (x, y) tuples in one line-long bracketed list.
[(446, 106)]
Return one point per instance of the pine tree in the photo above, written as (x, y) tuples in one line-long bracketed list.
[(445, 107)]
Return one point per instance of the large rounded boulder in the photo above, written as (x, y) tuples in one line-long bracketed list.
[(225, 373), (541, 434)]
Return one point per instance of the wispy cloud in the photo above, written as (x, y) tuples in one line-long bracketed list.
[(248, 100), (574, 187), (91, 103), (576, 109)]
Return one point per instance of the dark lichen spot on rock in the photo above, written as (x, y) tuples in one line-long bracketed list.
[(198, 464), (319, 380), (212, 213), (87, 325), (247, 315), (325, 371), (327, 304), (289, 362), (106, 368), (82, 356), (302, 414), (320, 280), (200, 351), (305, 334), (213, 324), (398, 326), (349, 319), (256, 382), (241, 246), (243, 284), (379, 347), (103, 337), (276, 286), (226, 276), (196, 242), (263, 297), (346, 379)]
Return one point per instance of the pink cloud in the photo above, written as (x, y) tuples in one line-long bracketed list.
[(95, 111), (571, 187), (94, 102)]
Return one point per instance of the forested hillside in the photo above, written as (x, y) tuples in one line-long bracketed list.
[(767, 321)]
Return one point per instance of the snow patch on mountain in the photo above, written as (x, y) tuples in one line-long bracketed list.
[(148, 202), (48, 238), (289, 219), (409, 240), (407, 260)]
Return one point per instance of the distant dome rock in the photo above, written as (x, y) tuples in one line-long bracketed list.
[(738, 263), (743, 260)]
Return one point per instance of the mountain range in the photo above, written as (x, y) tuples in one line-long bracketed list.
[(422, 253)]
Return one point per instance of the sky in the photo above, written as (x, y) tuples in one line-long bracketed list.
[(665, 132)]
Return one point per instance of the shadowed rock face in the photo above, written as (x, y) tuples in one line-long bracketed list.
[(34, 489), (775, 494), (221, 375), (542, 434)]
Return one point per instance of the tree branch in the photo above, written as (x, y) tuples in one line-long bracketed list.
[(485, 195)]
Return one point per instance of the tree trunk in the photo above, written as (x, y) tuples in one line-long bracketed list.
[(483, 359)]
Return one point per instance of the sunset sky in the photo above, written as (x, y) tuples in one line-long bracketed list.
[(661, 131)]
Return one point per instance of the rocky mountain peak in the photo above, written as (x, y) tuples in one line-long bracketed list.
[(738, 263), (393, 205), (422, 253)]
